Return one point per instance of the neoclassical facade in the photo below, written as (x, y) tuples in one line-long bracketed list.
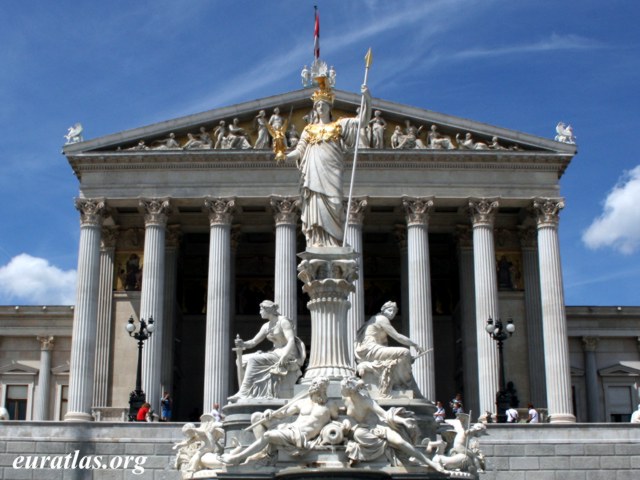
[(454, 220)]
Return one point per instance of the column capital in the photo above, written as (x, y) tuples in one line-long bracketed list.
[(46, 343), (464, 236), (483, 211), (156, 211), (109, 237), (286, 209), (92, 211), (174, 235), (547, 211), (220, 210), (590, 344), (417, 210), (528, 237), (356, 210)]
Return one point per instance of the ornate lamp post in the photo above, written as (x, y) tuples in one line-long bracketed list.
[(498, 332), (137, 397)]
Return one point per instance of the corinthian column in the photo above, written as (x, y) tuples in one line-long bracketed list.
[(483, 213), (554, 321), (105, 300), (355, 315), (533, 312), (217, 349), (286, 218), (41, 411), (173, 237), (420, 315), (83, 347), (152, 296), (468, 318)]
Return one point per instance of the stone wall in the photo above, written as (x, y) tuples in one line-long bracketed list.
[(568, 452), (514, 452)]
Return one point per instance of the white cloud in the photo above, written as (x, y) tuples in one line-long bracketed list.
[(618, 226), (28, 280)]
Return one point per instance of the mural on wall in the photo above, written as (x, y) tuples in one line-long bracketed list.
[(509, 269), (128, 271)]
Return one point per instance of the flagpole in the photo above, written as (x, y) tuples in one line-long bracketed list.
[(367, 64)]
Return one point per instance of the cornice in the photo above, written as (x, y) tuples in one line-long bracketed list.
[(405, 160)]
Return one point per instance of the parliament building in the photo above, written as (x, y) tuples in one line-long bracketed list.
[(192, 223)]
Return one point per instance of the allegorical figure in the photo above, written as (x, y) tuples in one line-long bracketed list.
[(392, 365), (297, 437), (263, 371), (373, 432), (319, 156)]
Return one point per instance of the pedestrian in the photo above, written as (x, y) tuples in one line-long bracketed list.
[(215, 412), (512, 415), (165, 407), (440, 413), (143, 412), (456, 404), (533, 417)]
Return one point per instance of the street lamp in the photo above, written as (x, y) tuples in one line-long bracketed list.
[(137, 397), (499, 332)]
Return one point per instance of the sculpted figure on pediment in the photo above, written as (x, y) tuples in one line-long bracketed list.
[(237, 137), (202, 141), (378, 126), (169, 143), (293, 136), (408, 140), (139, 146), (468, 144), (220, 134), (260, 125), (438, 141)]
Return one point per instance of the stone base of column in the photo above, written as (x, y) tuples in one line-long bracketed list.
[(328, 274), (78, 417), (562, 418)]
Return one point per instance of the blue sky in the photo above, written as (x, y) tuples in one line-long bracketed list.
[(521, 65)]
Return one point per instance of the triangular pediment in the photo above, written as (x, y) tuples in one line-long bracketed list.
[(17, 368), (61, 369), (294, 106), (621, 369)]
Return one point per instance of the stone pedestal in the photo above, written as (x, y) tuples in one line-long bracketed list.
[(328, 275)]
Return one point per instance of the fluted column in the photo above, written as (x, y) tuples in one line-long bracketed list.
[(286, 218), (152, 295), (468, 318), (355, 315), (173, 236), (105, 301), (420, 314), (217, 342), (554, 321), (590, 345), (83, 347), (328, 279), (41, 412), (533, 312), (483, 212)]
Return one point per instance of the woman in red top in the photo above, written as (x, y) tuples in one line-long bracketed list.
[(143, 412)]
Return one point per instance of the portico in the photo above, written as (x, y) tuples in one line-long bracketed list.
[(233, 221)]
